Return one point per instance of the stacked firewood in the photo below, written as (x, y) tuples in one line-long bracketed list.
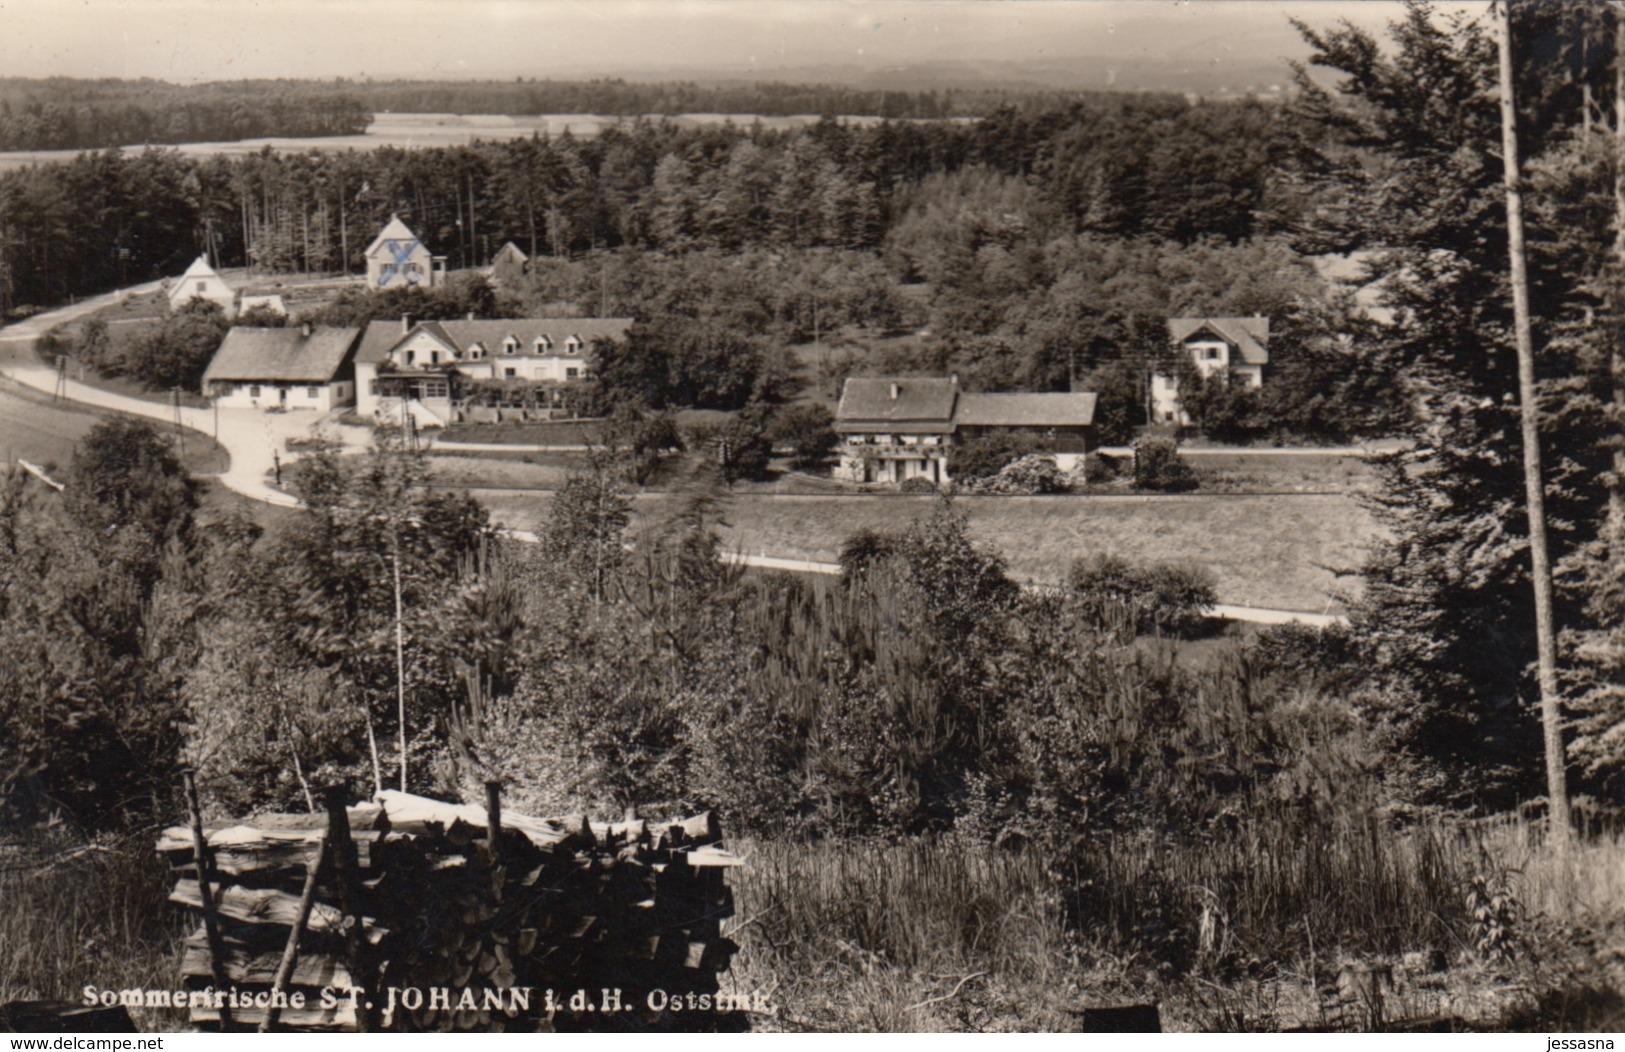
[(442, 919)]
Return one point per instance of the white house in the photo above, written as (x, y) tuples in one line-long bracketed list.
[(892, 429), (1238, 348), (414, 362), (300, 367), (396, 259), (200, 282), (271, 304)]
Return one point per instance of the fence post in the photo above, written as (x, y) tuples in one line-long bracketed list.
[(344, 862), (211, 922)]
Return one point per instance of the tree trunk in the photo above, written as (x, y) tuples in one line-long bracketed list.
[(1534, 485)]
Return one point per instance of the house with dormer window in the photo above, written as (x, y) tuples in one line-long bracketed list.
[(423, 363), (1235, 348)]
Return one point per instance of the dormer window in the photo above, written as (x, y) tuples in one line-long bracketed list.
[(543, 345), (572, 345), (510, 346), (475, 353)]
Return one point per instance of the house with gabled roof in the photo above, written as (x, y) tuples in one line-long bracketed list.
[(397, 259), (892, 429), (508, 265), (422, 363), (298, 367), (1236, 348), (201, 282)]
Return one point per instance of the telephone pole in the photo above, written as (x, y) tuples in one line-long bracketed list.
[(1551, 712)]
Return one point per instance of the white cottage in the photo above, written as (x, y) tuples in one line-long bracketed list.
[(200, 282), (1238, 348), (300, 367), (396, 259)]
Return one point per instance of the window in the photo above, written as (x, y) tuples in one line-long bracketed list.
[(475, 353), (313, 392), (572, 374), (436, 389), (572, 345), (202, 287), (509, 374), (372, 388), (434, 357), (411, 356), (253, 390), (543, 345), (510, 346)]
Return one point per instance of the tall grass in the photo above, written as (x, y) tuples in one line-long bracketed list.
[(100, 918), (872, 932)]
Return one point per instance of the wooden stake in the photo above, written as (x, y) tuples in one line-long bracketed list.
[(344, 864), (1551, 713), (211, 922), (290, 953), (493, 818)]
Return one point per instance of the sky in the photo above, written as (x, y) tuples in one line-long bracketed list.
[(193, 40)]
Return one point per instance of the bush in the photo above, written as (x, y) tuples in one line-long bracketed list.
[(1032, 475), (1100, 469), (983, 456), (1161, 597), (918, 484), (1158, 466)]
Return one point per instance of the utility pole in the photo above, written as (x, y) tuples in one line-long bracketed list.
[(400, 644), (1551, 712), (1616, 357)]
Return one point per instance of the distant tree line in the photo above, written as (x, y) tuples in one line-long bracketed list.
[(62, 113)]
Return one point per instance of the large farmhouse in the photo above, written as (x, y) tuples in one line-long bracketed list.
[(422, 362), (396, 259), (200, 282), (896, 429), (1237, 348), (301, 367)]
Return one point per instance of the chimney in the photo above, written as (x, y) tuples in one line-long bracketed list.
[(304, 329), (406, 324), (895, 391)]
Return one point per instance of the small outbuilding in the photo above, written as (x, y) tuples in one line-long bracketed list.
[(300, 367), (201, 282)]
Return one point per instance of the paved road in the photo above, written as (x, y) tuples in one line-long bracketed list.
[(253, 439)]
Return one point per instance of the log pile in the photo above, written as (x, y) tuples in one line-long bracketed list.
[(450, 917)]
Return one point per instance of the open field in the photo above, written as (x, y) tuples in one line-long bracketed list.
[(412, 130), (1267, 551), (1263, 472), (38, 430)]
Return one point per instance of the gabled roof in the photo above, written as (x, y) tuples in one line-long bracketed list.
[(509, 252), (394, 230), (894, 401), (250, 355), (1250, 336), (383, 336), (200, 269), (1026, 410)]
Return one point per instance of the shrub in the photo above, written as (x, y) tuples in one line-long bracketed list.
[(1100, 469), (985, 455), (1158, 466), (918, 484), (1161, 597), (1032, 475)]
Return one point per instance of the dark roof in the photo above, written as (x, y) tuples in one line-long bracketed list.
[(1250, 336), (892, 401), (1025, 410), (381, 336), (280, 355)]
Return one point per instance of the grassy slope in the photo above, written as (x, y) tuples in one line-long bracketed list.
[(1267, 551)]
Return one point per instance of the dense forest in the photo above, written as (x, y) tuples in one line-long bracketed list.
[(67, 114)]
